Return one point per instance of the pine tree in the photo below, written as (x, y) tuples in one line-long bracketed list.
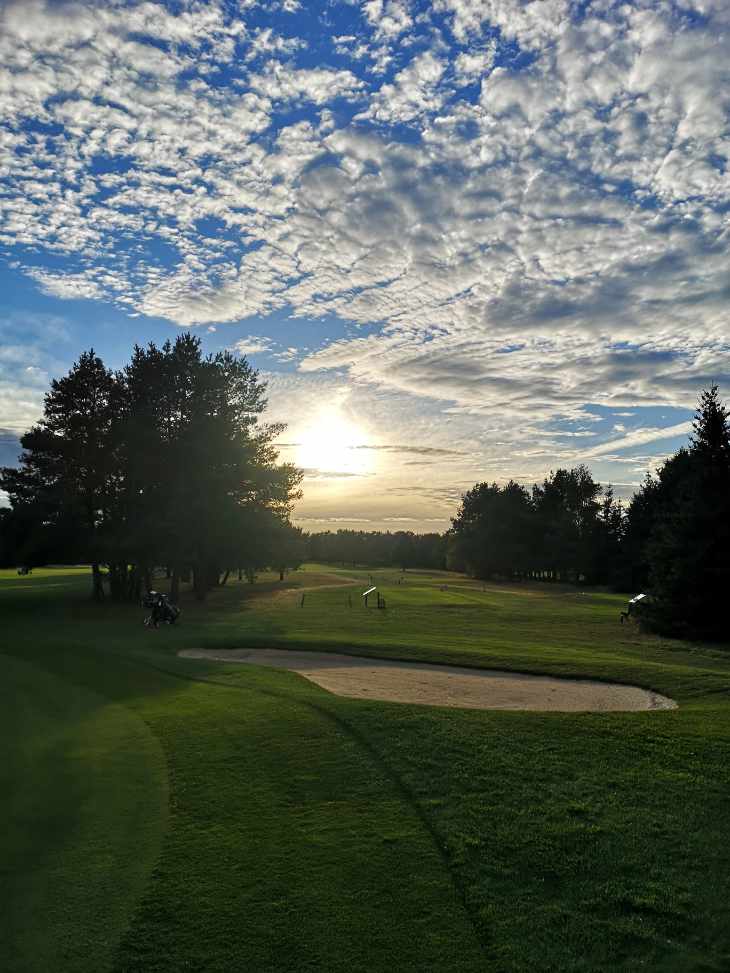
[(163, 463), (65, 483), (689, 548), (711, 426), (201, 467)]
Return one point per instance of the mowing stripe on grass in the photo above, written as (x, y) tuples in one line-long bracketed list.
[(306, 862), (377, 759), (84, 782)]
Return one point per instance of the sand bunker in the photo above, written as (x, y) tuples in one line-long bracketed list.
[(433, 685)]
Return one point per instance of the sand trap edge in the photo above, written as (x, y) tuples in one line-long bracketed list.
[(428, 684)]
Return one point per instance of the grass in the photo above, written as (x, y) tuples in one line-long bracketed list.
[(173, 814), (84, 782)]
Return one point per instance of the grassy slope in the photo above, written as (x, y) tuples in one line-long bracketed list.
[(310, 832), (83, 783)]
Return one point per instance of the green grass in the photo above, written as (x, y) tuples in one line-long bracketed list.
[(84, 783), (171, 814)]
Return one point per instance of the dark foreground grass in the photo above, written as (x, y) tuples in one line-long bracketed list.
[(308, 832), (84, 809)]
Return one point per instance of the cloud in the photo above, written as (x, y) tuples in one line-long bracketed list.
[(252, 345), (470, 66), (639, 437), (524, 207), (315, 474), (390, 18), (66, 286), (281, 82), (413, 92), (32, 347), (418, 450)]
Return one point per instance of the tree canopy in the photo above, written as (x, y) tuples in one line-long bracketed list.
[(679, 529), (165, 462), (566, 529)]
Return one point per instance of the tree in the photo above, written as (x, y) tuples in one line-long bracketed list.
[(287, 547), (491, 533), (567, 507), (404, 553), (164, 462), (689, 546), (605, 542), (200, 466), (65, 484), (641, 518)]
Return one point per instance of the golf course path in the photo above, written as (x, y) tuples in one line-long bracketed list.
[(437, 685)]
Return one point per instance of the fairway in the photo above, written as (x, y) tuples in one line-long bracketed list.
[(170, 813)]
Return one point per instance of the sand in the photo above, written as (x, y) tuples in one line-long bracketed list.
[(436, 685)]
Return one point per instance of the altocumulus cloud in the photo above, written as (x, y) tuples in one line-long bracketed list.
[(528, 203)]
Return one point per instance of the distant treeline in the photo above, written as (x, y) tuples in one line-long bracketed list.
[(402, 549), (163, 463)]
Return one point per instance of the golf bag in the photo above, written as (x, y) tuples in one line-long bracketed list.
[(162, 610)]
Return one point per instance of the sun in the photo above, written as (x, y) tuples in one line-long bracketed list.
[(332, 443)]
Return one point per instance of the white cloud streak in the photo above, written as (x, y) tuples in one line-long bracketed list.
[(551, 230)]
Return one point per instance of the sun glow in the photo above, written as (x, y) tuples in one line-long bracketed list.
[(333, 443)]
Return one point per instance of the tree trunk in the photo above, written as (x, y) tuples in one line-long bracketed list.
[(281, 574), (199, 582), (97, 583), (134, 584), (114, 582), (118, 582), (175, 586)]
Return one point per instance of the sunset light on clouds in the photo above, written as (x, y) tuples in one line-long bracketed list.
[(462, 239)]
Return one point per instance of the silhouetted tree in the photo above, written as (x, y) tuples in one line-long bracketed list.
[(641, 517), (200, 465), (564, 530), (492, 532), (688, 549), (163, 463), (287, 548), (64, 487)]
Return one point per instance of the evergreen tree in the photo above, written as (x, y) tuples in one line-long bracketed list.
[(492, 531), (64, 488), (162, 463), (200, 466), (689, 547), (567, 510)]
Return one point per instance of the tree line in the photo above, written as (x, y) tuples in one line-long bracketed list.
[(673, 539), (565, 529), (166, 463), (162, 463), (402, 549)]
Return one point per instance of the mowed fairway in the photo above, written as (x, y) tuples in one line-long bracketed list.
[(175, 814)]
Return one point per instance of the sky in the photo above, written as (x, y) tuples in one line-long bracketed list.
[(462, 240)]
